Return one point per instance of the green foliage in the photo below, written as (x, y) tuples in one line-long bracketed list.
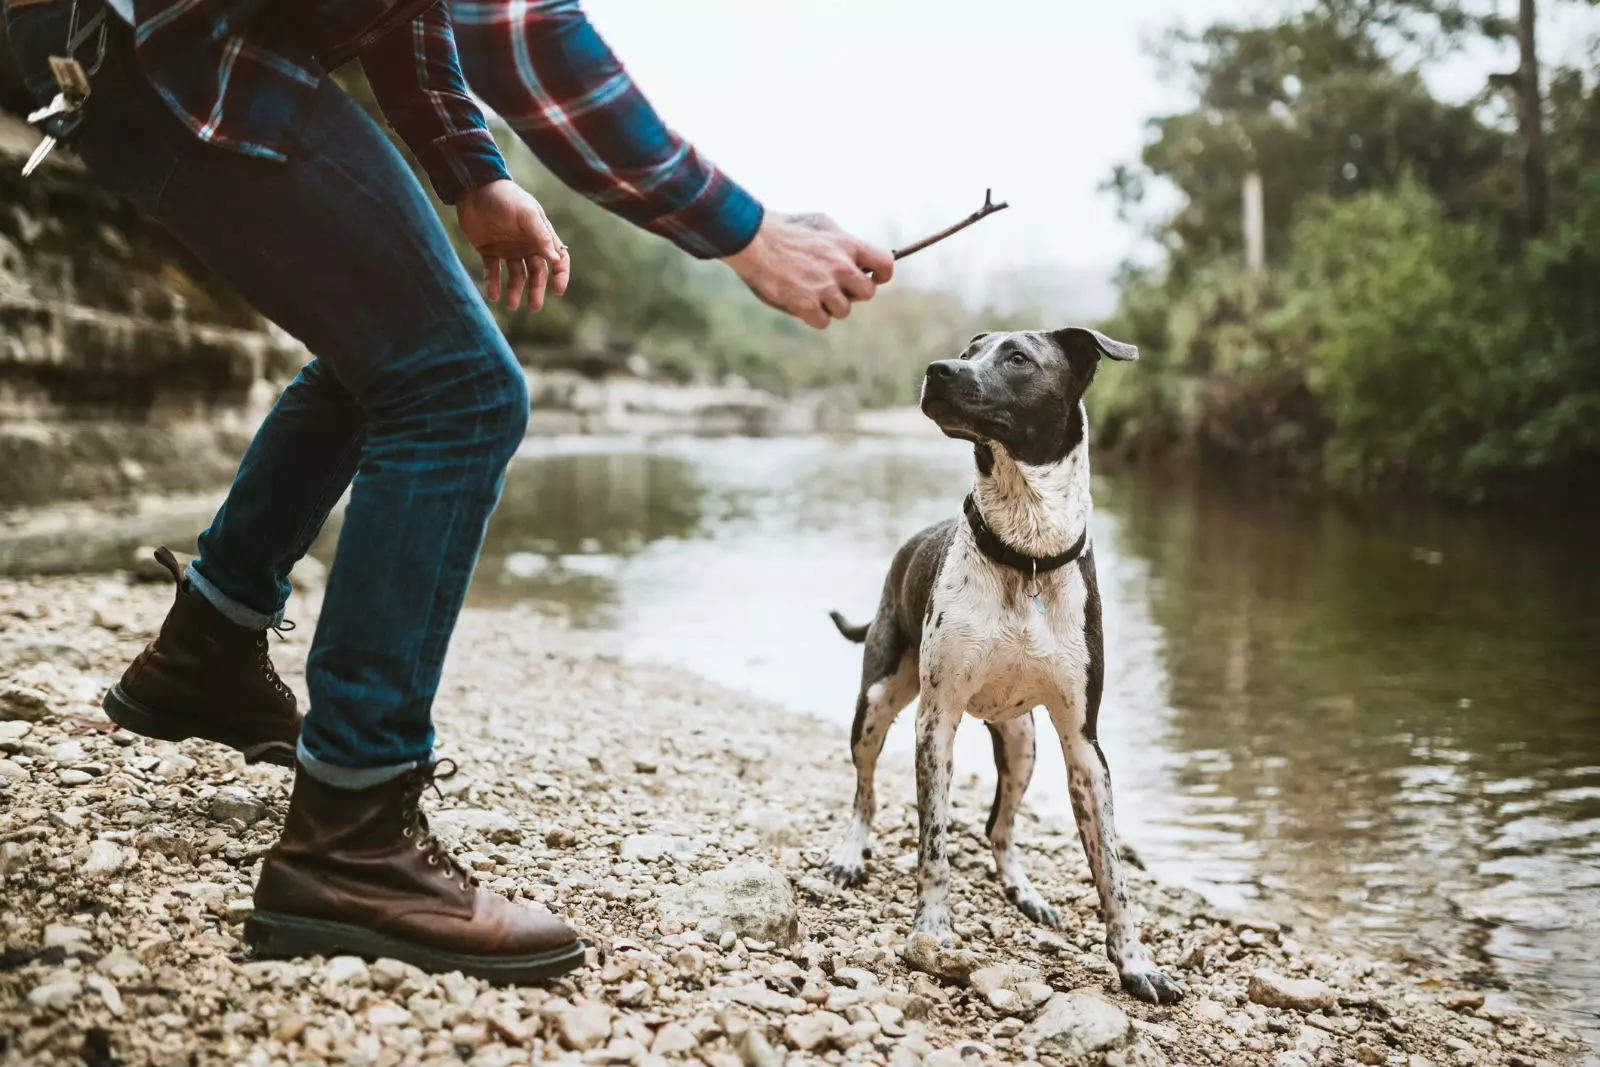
[(1408, 335)]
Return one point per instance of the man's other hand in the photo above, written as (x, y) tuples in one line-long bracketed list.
[(508, 228), (807, 266)]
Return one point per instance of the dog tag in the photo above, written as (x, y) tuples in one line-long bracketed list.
[(1038, 605)]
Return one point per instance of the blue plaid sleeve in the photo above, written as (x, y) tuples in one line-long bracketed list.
[(416, 78), (543, 68)]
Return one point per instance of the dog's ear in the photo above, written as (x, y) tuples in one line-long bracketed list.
[(975, 338), (1084, 347)]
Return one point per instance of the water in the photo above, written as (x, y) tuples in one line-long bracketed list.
[(1385, 726), (1382, 726)]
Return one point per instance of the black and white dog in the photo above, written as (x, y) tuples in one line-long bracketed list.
[(994, 614)]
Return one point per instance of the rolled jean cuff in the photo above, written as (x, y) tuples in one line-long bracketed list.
[(353, 777), (232, 610)]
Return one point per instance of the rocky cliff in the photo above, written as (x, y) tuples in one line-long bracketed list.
[(124, 367)]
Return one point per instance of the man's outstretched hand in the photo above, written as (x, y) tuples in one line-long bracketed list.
[(509, 230), (807, 266)]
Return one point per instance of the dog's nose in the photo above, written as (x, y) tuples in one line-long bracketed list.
[(944, 368)]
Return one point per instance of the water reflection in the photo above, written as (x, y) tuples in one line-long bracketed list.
[(1385, 724)]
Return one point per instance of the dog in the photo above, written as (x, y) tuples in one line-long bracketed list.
[(993, 614)]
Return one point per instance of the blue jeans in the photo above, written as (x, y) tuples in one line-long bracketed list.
[(413, 393)]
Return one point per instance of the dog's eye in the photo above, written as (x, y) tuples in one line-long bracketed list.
[(1017, 360)]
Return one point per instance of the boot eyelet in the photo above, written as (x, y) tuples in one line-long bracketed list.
[(433, 861), (406, 833), (422, 846)]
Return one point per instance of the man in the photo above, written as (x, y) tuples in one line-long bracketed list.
[(227, 131), (542, 67)]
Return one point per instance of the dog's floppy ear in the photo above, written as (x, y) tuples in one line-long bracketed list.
[(1074, 340), (975, 338)]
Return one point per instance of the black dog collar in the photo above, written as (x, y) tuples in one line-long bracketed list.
[(990, 544)]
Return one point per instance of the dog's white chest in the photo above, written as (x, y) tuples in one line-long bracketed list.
[(1007, 656)]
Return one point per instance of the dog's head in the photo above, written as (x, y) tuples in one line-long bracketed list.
[(1019, 390)]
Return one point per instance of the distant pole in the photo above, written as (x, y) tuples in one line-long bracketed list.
[(1255, 231)]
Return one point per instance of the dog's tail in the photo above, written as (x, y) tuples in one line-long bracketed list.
[(858, 634)]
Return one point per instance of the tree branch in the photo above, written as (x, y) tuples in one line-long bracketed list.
[(989, 208)]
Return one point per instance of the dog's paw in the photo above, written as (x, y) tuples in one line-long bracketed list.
[(843, 874), (1031, 904), (1144, 981)]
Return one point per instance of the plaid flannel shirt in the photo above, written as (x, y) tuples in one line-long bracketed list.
[(242, 75), (541, 66)]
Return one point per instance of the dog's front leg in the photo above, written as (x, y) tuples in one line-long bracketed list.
[(938, 715), (1089, 781)]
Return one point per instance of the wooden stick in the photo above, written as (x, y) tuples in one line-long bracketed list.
[(989, 208)]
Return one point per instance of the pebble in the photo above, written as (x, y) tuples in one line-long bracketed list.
[(747, 900), (24, 704), (1273, 990), (234, 802)]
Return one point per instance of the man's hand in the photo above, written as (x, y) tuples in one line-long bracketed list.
[(806, 265), (508, 228)]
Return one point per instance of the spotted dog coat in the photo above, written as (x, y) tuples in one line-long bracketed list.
[(976, 636)]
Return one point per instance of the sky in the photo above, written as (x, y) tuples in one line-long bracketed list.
[(894, 116)]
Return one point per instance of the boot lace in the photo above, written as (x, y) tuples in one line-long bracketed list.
[(264, 658), (417, 830)]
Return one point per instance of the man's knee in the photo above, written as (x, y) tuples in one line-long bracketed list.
[(506, 399)]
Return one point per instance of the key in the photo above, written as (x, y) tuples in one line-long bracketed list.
[(60, 105), (46, 146)]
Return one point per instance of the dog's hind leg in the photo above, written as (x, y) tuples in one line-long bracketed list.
[(1013, 763), (888, 682)]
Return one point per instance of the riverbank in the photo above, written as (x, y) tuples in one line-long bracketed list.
[(606, 791)]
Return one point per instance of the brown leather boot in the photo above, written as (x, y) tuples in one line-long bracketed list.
[(206, 676), (357, 872)]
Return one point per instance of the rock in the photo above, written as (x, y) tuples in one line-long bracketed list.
[(59, 935), (107, 857), (1293, 1058), (560, 837), (808, 1032), (1371, 1055), (14, 730), (1301, 994), (1078, 1029), (756, 1051), (174, 768), (20, 702), (108, 993), (496, 827), (388, 973), (346, 971), (585, 1026), (1209, 1010), (57, 992), (924, 953), (74, 777), (651, 848), (673, 1040), (855, 977), (1460, 1001), (1005, 1001), (748, 900), (633, 994), (13, 772), (233, 802)]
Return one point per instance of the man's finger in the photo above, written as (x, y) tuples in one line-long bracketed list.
[(875, 261), (562, 273), (539, 275), (836, 304), (813, 315), (858, 286), (550, 246), (518, 269), (491, 279)]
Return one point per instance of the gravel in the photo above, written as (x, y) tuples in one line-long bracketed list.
[(681, 827)]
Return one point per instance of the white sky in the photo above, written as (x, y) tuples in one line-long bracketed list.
[(894, 115)]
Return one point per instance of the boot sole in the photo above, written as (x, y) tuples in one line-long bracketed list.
[(146, 721), (275, 934)]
